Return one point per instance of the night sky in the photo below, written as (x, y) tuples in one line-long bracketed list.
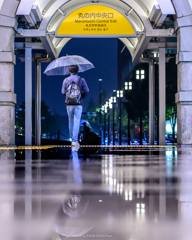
[(101, 52)]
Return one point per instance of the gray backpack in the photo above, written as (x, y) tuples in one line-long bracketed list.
[(73, 94)]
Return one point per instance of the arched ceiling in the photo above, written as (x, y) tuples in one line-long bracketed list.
[(141, 14)]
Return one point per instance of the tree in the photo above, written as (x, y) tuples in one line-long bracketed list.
[(48, 122), (171, 87)]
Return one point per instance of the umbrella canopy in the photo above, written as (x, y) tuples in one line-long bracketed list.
[(61, 65), (84, 121)]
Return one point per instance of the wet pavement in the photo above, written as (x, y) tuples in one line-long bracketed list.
[(130, 194)]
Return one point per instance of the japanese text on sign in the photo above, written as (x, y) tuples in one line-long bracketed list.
[(96, 20), (95, 15)]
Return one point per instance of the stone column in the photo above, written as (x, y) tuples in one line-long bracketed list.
[(28, 96), (8, 25), (151, 103), (183, 27), (162, 96), (38, 104)]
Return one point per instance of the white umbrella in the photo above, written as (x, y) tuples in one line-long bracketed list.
[(84, 121), (61, 65)]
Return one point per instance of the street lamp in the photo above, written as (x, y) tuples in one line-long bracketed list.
[(113, 101), (105, 111), (128, 87), (110, 106), (140, 75), (120, 96), (100, 81)]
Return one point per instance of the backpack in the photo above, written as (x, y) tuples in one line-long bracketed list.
[(73, 93)]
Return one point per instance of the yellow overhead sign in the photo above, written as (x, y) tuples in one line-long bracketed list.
[(96, 20)]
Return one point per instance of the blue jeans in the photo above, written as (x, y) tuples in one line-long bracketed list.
[(74, 115)]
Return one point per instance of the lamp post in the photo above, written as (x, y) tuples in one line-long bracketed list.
[(103, 111), (128, 87), (100, 81), (120, 96), (114, 101), (110, 107), (106, 107), (140, 75)]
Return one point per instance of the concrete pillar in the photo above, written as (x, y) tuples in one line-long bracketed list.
[(184, 81), (151, 103), (38, 104), (162, 96), (183, 28), (8, 26), (28, 96)]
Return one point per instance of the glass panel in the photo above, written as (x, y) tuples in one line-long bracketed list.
[(142, 71), (138, 72), (137, 77), (142, 76)]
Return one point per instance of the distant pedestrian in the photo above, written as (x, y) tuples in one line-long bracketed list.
[(85, 129), (75, 89)]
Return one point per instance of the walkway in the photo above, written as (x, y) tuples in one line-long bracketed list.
[(134, 194)]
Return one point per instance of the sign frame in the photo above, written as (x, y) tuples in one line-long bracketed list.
[(95, 36)]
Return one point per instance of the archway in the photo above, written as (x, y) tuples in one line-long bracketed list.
[(153, 16)]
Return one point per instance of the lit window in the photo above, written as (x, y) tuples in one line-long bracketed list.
[(137, 77), (142, 76), (142, 71), (137, 72)]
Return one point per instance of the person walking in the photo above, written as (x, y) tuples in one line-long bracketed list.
[(75, 89)]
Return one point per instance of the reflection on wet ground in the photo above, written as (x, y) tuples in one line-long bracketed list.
[(123, 195)]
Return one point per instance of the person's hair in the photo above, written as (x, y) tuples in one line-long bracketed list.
[(73, 69)]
